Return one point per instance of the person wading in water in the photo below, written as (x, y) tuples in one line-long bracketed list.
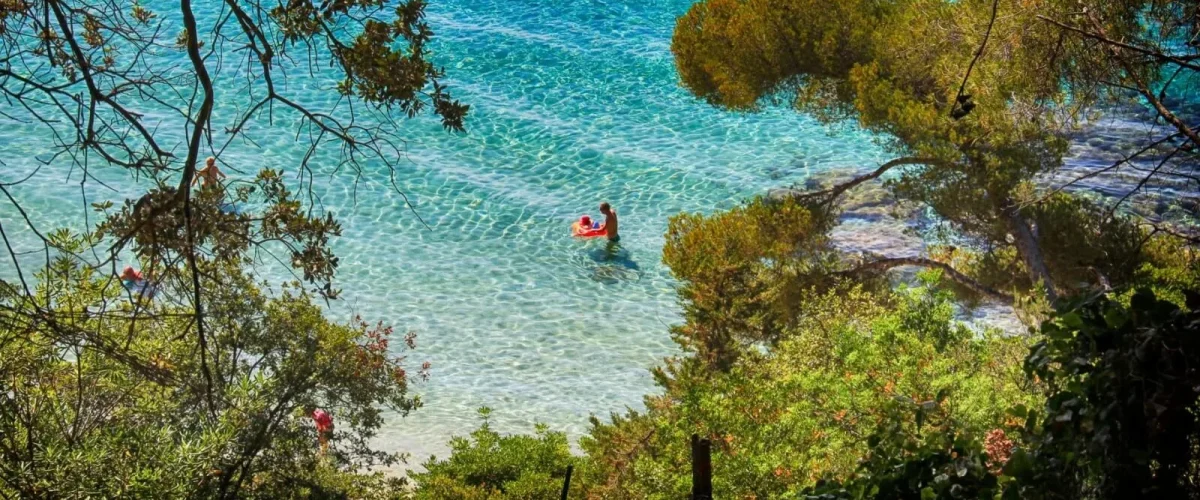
[(610, 222), (210, 173)]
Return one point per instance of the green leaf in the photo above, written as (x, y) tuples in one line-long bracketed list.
[(1142, 299), (1115, 317), (1072, 321), (1019, 464), (1018, 411)]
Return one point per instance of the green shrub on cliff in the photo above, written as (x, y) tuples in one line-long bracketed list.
[(487, 465), (803, 408), (102, 396)]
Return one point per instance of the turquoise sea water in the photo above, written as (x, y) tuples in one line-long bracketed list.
[(573, 103)]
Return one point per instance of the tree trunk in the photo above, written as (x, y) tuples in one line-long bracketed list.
[(1030, 251)]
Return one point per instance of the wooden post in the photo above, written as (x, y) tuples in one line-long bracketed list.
[(567, 482), (701, 468)]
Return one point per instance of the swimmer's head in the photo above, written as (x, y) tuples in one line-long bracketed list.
[(605, 208), (585, 221), (210, 161)]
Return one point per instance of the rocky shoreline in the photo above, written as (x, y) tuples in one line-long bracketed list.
[(1097, 165)]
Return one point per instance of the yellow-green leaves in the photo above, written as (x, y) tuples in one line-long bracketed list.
[(739, 270), (732, 53)]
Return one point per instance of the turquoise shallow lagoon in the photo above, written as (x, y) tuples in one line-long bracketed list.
[(573, 103)]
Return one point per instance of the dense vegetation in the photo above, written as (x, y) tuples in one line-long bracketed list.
[(815, 372), (804, 409), (102, 402), (1118, 419), (489, 465)]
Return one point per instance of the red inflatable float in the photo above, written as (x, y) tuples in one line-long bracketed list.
[(583, 228)]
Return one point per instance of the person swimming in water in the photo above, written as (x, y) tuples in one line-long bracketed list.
[(138, 283), (610, 222), (131, 276), (210, 173)]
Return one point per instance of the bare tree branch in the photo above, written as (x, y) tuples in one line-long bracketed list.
[(199, 125), (1144, 89), (1155, 54), (84, 64), (1113, 209), (828, 196), (960, 98), (1124, 160), (954, 275)]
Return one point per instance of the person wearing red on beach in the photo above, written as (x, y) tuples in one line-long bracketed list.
[(324, 427)]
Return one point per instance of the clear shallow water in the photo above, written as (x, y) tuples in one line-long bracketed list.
[(573, 103)]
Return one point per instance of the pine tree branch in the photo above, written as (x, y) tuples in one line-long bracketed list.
[(827, 196), (1116, 48), (1161, 56), (949, 272)]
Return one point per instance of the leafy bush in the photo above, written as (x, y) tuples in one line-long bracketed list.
[(102, 396), (488, 465), (740, 272), (1120, 418), (803, 409), (899, 467)]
